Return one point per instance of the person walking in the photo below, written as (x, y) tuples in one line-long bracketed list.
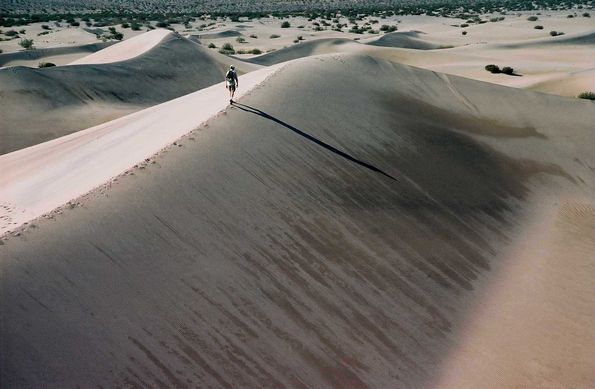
[(231, 82)]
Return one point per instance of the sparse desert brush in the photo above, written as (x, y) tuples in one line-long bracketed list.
[(11, 33), (240, 40), (493, 68), (300, 38), (134, 26), (464, 32), (125, 25), (256, 51), (46, 65), (212, 46), (464, 25), (285, 24), (26, 44), (586, 15), (227, 49), (532, 18), (253, 36), (586, 95), (556, 33), (508, 70), (274, 36), (570, 16), (45, 27), (538, 27)]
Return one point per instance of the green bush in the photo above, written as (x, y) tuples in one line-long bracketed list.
[(125, 25), (538, 27), (253, 36), (46, 65), (212, 46), (492, 68), (45, 27), (532, 18), (162, 24), (11, 33), (587, 15), (255, 51), (274, 36), (464, 25), (134, 26), (464, 32), (240, 40), (508, 70), (227, 48), (556, 33), (285, 24), (27, 44), (587, 95)]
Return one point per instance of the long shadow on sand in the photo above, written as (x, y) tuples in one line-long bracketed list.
[(256, 111)]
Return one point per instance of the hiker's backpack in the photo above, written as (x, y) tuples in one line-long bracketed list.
[(231, 77)]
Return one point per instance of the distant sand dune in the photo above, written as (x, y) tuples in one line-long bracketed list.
[(252, 255), (37, 55)]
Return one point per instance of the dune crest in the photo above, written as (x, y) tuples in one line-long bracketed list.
[(127, 49)]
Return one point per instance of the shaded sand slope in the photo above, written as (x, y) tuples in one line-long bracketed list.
[(33, 57), (270, 250), (41, 104)]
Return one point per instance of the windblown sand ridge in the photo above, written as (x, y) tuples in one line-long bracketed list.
[(331, 236), (37, 105)]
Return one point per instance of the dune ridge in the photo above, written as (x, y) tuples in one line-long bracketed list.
[(70, 98), (252, 256), (79, 162)]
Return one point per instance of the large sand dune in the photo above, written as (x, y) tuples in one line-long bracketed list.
[(336, 228), (37, 105)]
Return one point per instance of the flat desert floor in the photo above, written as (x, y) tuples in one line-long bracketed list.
[(374, 210)]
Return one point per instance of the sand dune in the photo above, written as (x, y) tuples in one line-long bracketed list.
[(305, 49), (127, 49), (406, 40), (336, 236), (54, 54), (41, 104)]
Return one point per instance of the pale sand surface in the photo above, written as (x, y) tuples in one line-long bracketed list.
[(127, 49), (534, 326), (252, 254), (40, 178)]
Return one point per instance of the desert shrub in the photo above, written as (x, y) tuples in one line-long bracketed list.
[(43, 33), (45, 27), (227, 48), (26, 44), (212, 46), (570, 16), (587, 95), (586, 15), (274, 36), (240, 40), (538, 27), (255, 51), (75, 24), (242, 51), (556, 33), (508, 70), (493, 20), (125, 25), (464, 25), (162, 24), (300, 38), (532, 18), (387, 28), (134, 26), (492, 68), (11, 33), (46, 65), (285, 24), (464, 32), (253, 36), (296, 41)]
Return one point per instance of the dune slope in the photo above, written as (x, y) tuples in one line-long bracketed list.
[(33, 57), (331, 237), (37, 105)]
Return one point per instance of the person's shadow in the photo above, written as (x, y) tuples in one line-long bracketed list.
[(255, 111)]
